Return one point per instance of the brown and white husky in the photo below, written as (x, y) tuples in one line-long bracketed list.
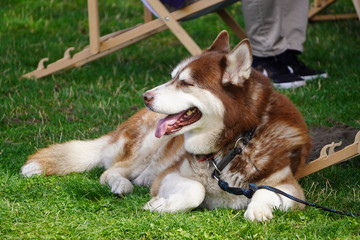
[(211, 100)]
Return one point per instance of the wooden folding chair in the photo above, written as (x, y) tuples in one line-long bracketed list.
[(101, 46)]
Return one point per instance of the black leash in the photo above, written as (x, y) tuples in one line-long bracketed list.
[(252, 187)]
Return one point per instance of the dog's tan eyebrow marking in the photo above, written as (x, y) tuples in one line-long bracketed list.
[(178, 69)]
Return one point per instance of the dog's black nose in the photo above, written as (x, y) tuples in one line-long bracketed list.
[(148, 98)]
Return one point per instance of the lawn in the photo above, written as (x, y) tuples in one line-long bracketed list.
[(90, 101)]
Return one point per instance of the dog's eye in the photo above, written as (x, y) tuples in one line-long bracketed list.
[(185, 83)]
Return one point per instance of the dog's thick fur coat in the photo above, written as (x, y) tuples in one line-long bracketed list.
[(211, 100)]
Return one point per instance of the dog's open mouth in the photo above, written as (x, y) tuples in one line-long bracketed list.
[(175, 122)]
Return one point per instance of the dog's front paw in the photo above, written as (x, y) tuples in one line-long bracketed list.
[(31, 168), (259, 212), (157, 204), (118, 184), (121, 186), (144, 180)]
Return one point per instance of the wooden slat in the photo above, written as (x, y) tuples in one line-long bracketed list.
[(334, 17), (127, 38), (175, 27), (317, 6), (106, 47), (94, 30), (147, 15)]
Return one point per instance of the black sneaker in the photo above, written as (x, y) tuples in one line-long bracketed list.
[(290, 59), (278, 73)]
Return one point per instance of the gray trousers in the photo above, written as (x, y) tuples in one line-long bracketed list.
[(274, 26)]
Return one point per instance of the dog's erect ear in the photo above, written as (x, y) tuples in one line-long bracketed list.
[(221, 43), (239, 62)]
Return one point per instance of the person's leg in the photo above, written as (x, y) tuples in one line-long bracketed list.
[(293, 28), (263, 27), (263, 22), (294, 22)]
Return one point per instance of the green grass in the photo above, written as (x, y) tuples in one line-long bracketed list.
[(92, 100)]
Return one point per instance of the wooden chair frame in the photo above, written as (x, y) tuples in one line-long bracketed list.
[(328, 156), (319, 5), (101, 46)]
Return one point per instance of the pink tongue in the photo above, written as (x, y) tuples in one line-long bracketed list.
[(164, 123)]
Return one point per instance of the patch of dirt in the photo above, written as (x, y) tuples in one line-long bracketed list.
[(326, 135)]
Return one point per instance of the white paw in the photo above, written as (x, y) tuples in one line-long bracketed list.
[(118, 184), (157, 204), (30, 169), (144, 180), (121, 186), (259, 212)]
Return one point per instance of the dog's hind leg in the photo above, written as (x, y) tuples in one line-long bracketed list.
[(176, 194)]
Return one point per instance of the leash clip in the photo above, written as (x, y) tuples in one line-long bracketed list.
[(212, 161), (240, 143), (216, 173)]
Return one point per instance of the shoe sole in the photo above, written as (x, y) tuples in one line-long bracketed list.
[(289, 85), (309, 78)]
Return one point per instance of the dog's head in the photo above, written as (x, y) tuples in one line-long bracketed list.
[(206, 95)]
